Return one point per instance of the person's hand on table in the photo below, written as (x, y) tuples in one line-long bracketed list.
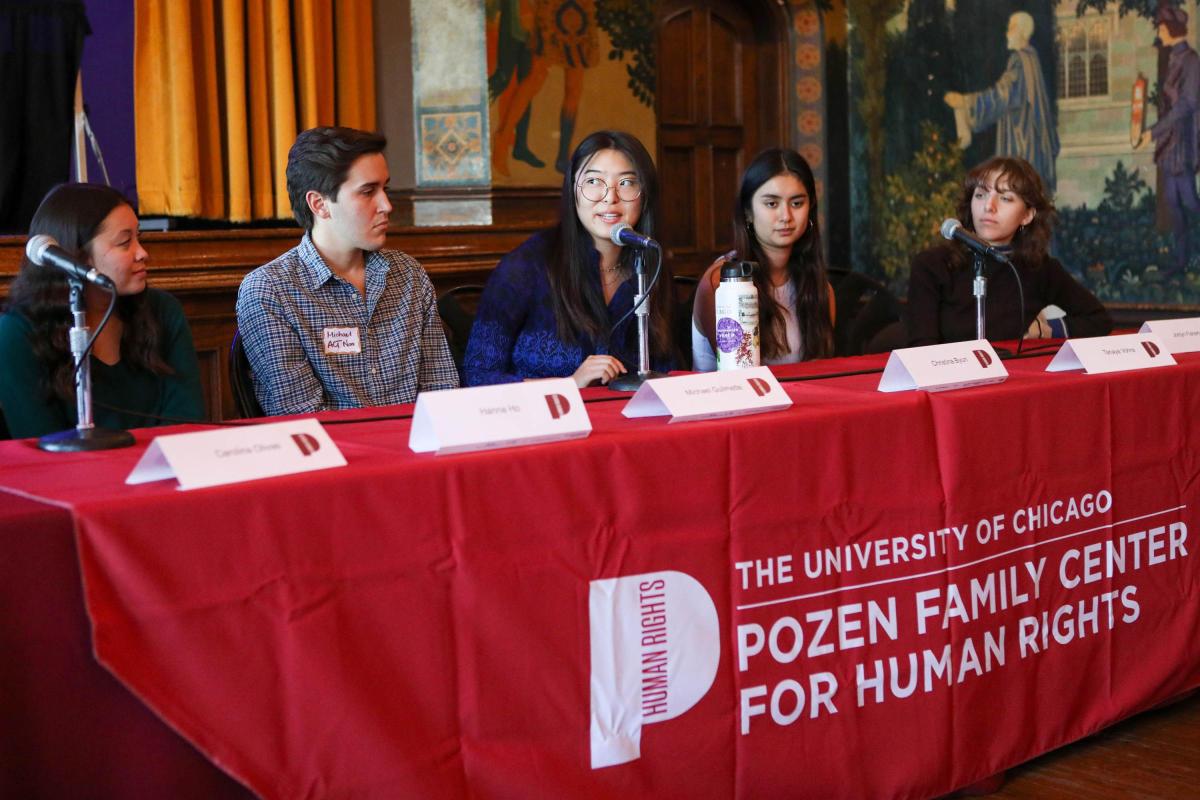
[(1039, 328), (598, 368)]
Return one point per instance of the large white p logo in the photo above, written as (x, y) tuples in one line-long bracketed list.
[(655, 649)]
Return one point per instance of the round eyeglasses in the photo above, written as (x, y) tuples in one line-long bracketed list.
[(594, 190)]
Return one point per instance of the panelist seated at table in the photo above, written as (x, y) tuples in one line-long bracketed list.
[(776, 223), (143, 364), (1003, 202), (337, 321), (559, 305)]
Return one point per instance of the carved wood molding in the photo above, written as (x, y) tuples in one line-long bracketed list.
[(202, 261)]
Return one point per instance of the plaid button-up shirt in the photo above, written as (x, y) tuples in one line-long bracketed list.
[(285, 307)]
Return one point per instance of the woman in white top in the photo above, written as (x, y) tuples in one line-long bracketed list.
[(775, 224)]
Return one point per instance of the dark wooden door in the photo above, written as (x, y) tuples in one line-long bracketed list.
[(720, 100)]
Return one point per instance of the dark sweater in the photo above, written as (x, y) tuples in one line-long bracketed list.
[(29, 413), (941, 306)]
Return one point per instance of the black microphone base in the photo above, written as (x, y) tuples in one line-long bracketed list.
[(77, 441), (631, 383)]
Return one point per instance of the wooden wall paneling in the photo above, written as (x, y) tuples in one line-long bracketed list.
[(727, 170), (676, 91), (727, 78), (715, 54), (677, 174)]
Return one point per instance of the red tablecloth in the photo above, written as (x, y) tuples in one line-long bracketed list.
[(436, 626), (67, 728)]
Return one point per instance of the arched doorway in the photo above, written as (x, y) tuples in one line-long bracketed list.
[(722, 68)]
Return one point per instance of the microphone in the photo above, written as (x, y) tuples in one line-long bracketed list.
[(953, 229), (623, 234), (43, 251)]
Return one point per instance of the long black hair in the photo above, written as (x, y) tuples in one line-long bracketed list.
[(72, 213), (579, 308), (805, 264)]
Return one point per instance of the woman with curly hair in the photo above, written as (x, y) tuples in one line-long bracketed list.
[(1004, 204), (142, 361)]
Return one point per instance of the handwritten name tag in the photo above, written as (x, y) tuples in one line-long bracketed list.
[(1099, 354), (1177, 335), (490, 417), (941, 367), (709, 395), (233, 455), (341, 341)]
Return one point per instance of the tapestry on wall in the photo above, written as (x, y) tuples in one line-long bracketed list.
[(560, 69), (1074, 87)]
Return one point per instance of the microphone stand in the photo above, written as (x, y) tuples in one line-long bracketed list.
[(85, 435), (980, 292), (627, 382)]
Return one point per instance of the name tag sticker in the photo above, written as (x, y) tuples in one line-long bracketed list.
[(940, 367), (490, 417), (1099, 354), (709, 395), (342, 341), (234, 455), (1177, 335)]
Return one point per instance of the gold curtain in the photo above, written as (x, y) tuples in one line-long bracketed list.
[(222, 88)]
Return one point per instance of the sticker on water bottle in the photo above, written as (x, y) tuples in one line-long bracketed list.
[(729, 334)]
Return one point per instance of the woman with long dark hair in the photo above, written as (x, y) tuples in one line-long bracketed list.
[(141, 361), (776, 224), (558, 305), (1004, 203)]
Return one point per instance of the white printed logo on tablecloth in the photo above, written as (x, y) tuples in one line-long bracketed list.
[(655, 648)]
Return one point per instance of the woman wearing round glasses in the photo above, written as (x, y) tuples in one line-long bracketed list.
[(775, 223), (550, 306)]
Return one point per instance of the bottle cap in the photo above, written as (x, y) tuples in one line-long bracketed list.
[(737, 270)]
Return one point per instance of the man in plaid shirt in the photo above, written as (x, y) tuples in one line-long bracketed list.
[(338, 322)]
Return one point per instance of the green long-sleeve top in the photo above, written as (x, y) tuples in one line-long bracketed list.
[(28, 411)]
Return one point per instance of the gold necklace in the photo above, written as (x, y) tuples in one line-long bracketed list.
[(610, 275)]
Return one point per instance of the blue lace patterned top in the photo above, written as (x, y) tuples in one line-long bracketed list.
[(515, 336)]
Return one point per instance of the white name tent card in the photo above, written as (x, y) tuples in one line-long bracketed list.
[(1099, 354), (939, 367), (1178, 335), (708, 395), (507, 415), (242, 453)]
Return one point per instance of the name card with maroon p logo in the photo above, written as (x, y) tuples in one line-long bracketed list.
[(939, 367), (708, 395), (559, 406), (1099, 354), (306, 443), (489, 417), (1177, 335), (233, 455)]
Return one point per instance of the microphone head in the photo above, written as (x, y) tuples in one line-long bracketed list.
[(35, 248), (617, 230), (949, 227)]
